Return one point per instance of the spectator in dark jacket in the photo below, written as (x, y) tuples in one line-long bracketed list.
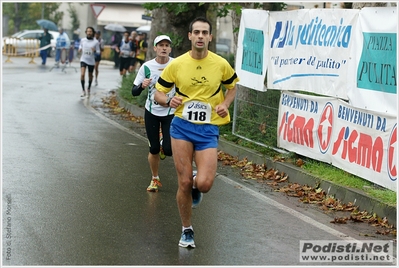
[(45, 40)]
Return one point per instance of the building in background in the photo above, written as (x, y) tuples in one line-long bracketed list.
[(128, 15)]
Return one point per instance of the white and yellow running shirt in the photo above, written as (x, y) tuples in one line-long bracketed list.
[(199, 82)]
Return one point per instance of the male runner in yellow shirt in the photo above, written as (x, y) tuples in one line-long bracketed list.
[(201, 106)]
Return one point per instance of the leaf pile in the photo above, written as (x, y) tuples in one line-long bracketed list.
[(306, 194), (112, 104)]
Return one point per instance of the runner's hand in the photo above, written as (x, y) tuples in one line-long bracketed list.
[(222, 110), (175, 102), (146, 82)]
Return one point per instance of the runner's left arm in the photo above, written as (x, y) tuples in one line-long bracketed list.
[(140, 83), (97, 48), (222, 109)]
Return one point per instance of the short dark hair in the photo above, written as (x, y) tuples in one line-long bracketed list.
[(202, 19), (127, 32)]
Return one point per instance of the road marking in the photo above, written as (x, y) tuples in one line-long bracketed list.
[(86, 103)]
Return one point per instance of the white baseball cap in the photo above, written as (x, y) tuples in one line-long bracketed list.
[(159, 38)]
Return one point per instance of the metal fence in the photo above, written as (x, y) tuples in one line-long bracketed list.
[(255, 116), (16, 47)]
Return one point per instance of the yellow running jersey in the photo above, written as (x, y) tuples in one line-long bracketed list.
[(199, 83)]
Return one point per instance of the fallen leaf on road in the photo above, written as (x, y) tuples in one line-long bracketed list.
[(341, 220)]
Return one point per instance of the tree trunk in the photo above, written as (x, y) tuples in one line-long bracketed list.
[(159, 25), (176, 27), (360, 5), (212, 17), (17, 18)]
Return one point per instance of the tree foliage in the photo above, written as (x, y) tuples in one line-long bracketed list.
[(73, 13), (23, 15), (173, 18)]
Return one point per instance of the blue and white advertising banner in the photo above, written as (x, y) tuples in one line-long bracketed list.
[(376, 58), (310, 50), (361, 142), (252, 50)]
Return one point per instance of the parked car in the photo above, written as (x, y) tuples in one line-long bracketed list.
[(22, 36)]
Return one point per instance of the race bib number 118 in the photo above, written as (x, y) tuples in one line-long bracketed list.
[(197, 112)]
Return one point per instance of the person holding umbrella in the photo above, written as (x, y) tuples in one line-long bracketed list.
[(45, 40)]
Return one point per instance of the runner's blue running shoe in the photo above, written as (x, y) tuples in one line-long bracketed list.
[(196, 194), (187, 239)]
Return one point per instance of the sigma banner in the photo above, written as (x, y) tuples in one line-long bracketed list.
[(361, 142), (252, 50), (376, 59), (311, 50)]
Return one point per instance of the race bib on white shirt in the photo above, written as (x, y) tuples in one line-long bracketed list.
[(87, 52), (197, 112)]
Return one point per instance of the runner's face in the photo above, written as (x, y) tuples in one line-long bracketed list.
[(89, 32), (200, 36), (163, 48), (126, 36)]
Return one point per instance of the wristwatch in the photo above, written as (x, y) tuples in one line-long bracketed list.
[(168, 101)]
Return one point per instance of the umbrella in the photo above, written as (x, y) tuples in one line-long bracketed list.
[(145, 28), (48, 24), (115, 27)]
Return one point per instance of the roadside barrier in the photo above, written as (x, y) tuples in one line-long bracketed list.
[(16, 47), (66, 58)]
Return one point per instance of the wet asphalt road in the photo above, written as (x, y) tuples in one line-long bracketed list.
[(73, 189)]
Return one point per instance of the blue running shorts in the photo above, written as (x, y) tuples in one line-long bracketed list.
[(202, 136)]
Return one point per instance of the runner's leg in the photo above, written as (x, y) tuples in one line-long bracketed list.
[(152, 129), (206, 162), (183, 159), (91, 69), (82, 78)]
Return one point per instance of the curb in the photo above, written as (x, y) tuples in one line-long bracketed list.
[(295, 174), (107, 62)]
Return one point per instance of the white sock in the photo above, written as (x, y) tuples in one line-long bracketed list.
[(157, 177), (193, 182), (185, 228)]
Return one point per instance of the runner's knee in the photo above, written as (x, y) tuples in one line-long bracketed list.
[(154, 149), (205, 186)]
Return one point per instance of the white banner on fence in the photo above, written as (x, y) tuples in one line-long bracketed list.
[(252, 50), (361, 142), (310, 50), (376, 57)]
